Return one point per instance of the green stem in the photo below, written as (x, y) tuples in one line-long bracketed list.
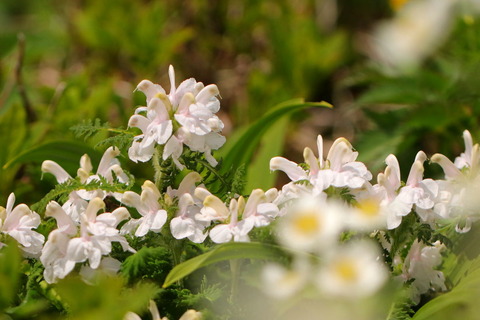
[(157, 166), (212, 169), (235, 266)]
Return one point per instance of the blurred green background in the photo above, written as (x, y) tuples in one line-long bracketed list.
[(82, 60)]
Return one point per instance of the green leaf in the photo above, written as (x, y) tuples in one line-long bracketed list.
[(13, 133), (227, 251), (243, 149), (66, 153), (460, 303), (271, 145), (9, 273), (107, 298), (137, 264)]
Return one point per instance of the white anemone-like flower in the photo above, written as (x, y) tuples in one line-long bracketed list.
[(282, 283), (352, 270), (185, 116), (415, 32), (370, 209), (311, 224)]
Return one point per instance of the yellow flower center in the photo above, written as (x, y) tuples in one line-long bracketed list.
[(345, 269), (369, 208), (307, 223)]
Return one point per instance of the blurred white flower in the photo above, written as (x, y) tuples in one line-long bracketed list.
[(415, 32), (352, 270), (282, 283), (155, 314), (370, 209), (108, 266), (311, 224), (458, 199)]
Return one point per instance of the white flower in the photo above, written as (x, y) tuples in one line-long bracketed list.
[(471, 157), (339, 169), (186, 116), (420, 265), (18, 223), (184, 225), (352, 270), (70, 244), (108, 168), (416, 31), (96, 236), (311, 224), (153, 216), (53, 257), (234, 229), (370, 209), (282, 283), (260, 207), (418, 191), (390, 181)]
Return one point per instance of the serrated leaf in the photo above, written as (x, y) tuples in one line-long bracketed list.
[(133, 265), (66, 153), (227, 251)]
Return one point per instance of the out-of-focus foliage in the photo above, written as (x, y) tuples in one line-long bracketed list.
[(82, 59), (427, 108)]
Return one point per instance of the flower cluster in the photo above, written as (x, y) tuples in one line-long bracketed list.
[(338, 228), (185, 116)]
